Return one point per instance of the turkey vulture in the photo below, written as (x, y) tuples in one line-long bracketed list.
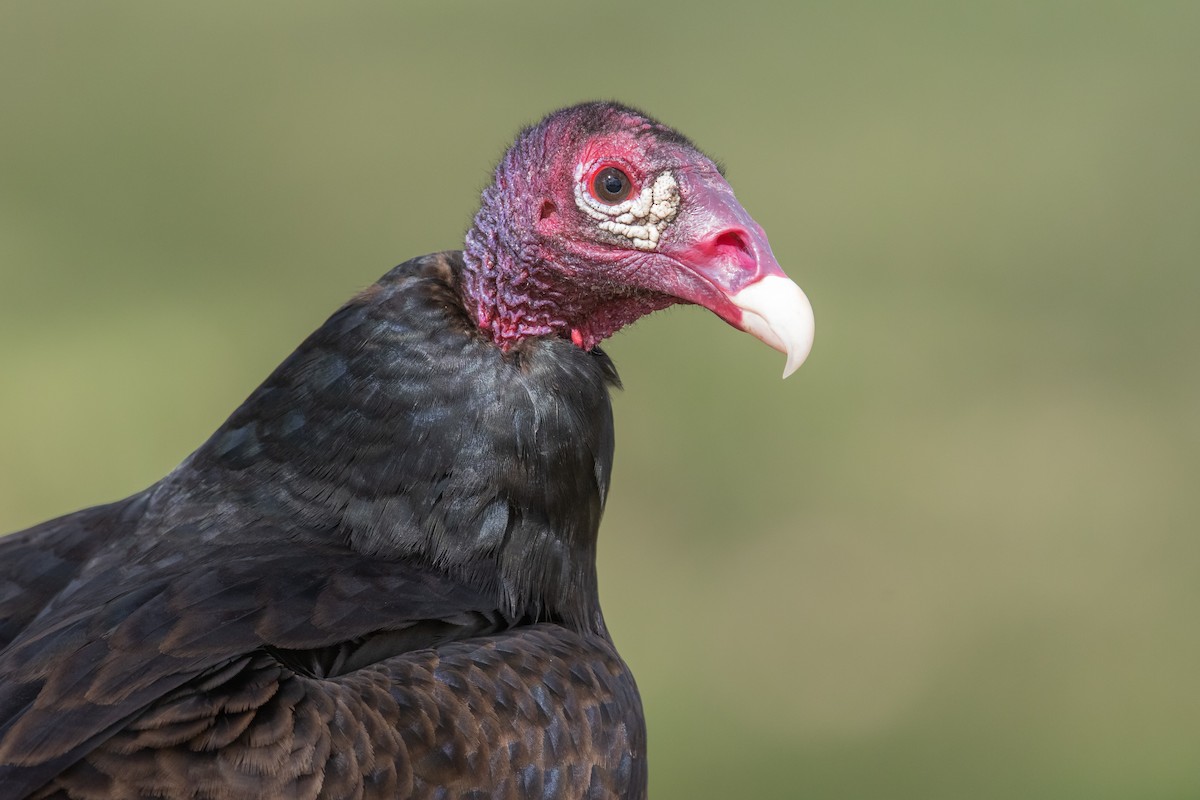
[(377, 578)]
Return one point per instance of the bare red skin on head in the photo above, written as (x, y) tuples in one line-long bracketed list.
[(539, 266)]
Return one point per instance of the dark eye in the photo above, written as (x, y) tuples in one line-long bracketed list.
[(611, 185)]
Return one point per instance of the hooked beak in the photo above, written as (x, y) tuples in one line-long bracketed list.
[(729, 269), (776, 311)]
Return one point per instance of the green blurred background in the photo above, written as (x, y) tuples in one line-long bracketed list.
[(955, 556)]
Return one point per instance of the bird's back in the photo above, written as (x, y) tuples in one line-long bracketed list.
[(535, 711)]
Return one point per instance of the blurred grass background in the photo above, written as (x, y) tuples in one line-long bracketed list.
[(956, 556)]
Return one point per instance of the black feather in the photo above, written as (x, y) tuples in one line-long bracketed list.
[(376, 579)]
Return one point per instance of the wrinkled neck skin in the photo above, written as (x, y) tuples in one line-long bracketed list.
[(400, 432), (516, 286)]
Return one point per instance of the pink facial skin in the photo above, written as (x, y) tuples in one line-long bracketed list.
[(542, 264)]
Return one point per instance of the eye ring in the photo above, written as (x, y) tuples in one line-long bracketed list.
[(611, 186)]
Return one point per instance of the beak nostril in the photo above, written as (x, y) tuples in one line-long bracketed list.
[(732, 244)]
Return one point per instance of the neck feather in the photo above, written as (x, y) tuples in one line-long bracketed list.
[(491, 468)]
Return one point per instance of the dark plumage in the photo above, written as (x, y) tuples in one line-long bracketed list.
[(377, 578)]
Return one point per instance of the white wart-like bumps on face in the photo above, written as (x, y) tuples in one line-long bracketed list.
[(640, 219)]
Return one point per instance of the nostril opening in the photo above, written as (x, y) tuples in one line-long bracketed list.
[(732, 244)]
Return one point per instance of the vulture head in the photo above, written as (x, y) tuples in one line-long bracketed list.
[(599, 215)]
